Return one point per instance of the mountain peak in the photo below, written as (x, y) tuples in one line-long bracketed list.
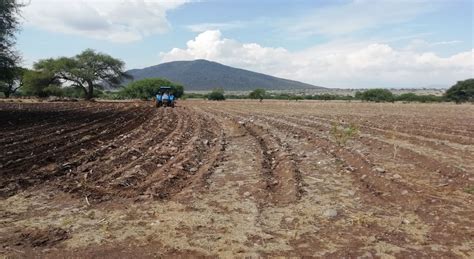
[(202, 74)]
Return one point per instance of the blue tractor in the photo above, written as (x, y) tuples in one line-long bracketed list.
[(165, 97)]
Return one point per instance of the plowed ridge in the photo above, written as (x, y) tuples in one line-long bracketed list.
[(237, 178)]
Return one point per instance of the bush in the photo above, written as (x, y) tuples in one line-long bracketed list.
[(342, 134), (281, 96), (257, 94), (411, 97), (408, 97), (53, 90), (73, 92), (194, 96), (148, 88), (296, 97), (462, 91), (377, 95), (216, 95)]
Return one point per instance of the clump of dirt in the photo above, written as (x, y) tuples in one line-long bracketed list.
[(40, 237)]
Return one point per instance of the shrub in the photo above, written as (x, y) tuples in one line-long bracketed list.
[(377, 95), (470, 189), (194, 96), (216, 95), (148, 88), (462, 91), (407, 97), (257, 94), (281, 96), (53, 90), (411, 97), (342, 134), (296, 97)]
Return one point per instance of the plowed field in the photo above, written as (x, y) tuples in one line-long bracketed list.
[(236, 178)]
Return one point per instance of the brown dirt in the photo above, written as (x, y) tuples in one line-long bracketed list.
[(236, 178)]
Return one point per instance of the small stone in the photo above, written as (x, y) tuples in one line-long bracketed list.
[(86, 138), (405, 221), (143, 197), (205, 142), (404, 192), (396, 176), (246, 194), (330, 213), (363, 177), (194, 169), (289, 220), (379, 170), (350, 168), (134, 157)]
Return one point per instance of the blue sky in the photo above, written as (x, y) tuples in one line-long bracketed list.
[(340, 43)]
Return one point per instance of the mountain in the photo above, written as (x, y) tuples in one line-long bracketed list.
[(206, 75)]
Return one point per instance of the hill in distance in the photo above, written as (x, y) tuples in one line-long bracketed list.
[(206, 75)]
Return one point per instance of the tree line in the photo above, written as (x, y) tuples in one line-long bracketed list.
[(462, 91)]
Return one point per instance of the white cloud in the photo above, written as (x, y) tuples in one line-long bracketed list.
[(117, 21), (334, 64), (210, 45)]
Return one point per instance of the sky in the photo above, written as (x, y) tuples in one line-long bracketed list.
[(330, 43)]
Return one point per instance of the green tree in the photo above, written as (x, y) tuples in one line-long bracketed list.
[(462, 91), (147, 88), (9, 13), (377, 95), (411, 97), (257, 94), (10, 86), (408, 97), (38, 83), (216, 95), (88, 70)]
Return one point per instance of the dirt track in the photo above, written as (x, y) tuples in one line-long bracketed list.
[(236, 178)]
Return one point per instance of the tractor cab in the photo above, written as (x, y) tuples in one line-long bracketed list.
[(165, 97)]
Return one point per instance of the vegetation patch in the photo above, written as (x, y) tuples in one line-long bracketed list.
[(341, 134), (216, 95), (146, 89), (470, 190)]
